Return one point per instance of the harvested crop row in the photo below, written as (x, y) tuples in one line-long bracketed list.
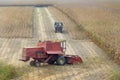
[(16, 22)]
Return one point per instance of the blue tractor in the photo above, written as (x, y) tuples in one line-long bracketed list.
[(58, 27)]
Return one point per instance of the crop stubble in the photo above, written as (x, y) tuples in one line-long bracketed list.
[(101, 22), (96, 64), (69, 72), (16, 22)]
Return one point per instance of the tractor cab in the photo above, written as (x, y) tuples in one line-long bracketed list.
[(58, 27)]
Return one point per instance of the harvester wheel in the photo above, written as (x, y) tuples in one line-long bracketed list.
[(61, 60), (51, 62), (37, 64), (32, 63)]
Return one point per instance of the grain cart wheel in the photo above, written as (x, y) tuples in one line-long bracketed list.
[(32, 63), (61, 60)]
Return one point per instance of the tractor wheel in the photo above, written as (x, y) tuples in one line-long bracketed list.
[(61, 31), (32, 63), (55, 31), (37, 64), (61, 60)]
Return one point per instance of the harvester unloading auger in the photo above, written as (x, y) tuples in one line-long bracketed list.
[(51, 52)]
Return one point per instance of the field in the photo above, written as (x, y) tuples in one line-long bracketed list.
[(16, 25), (16, 22), (101, 23), (96, 65), (84, 27)]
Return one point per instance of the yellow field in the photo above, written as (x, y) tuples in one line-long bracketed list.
[(16, 22), (103, 24)]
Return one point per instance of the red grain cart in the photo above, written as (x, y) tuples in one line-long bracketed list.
[(49, 52)]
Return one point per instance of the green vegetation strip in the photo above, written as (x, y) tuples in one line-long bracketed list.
[(115, 75), (7, 72)]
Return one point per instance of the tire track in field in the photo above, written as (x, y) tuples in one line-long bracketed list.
[(48, 27), (41, 30)]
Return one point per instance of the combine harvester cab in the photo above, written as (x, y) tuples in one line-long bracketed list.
[(49, 52)]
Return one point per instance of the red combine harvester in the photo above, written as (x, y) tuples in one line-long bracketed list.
[(49, 52)]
